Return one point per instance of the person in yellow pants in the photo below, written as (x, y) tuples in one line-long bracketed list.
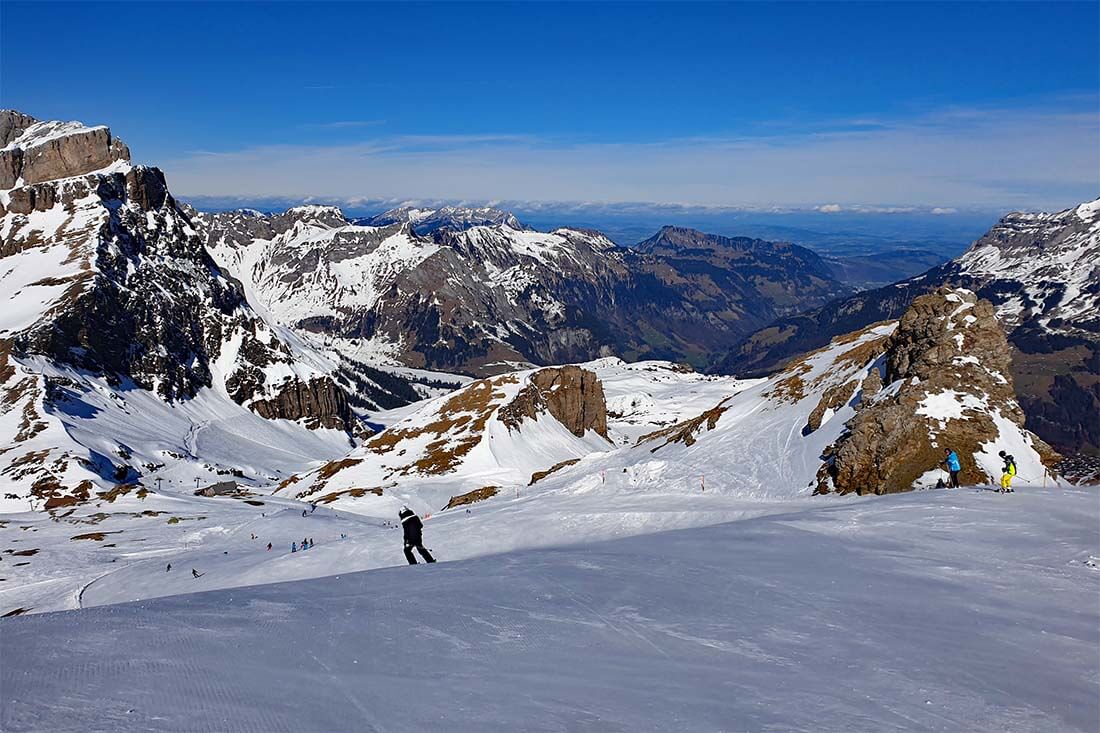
[(1007, 472)]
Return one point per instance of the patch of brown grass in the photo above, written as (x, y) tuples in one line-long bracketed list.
[(540, 475), (684, 432), (288, 481), (472, 497), (458, 428), (357, 493), (115, 492), (862, 354), (97, 536), (791, 388), (848, 338)]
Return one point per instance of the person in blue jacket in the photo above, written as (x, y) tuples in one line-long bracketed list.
[(951, 458)]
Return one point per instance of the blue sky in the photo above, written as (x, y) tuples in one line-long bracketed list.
[(893, 104)]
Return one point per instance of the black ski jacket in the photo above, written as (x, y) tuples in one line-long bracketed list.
[(412, 526)]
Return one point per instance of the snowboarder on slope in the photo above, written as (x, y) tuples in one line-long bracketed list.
[(951, 458), (194, 573), (1007, 472), (413, 528)]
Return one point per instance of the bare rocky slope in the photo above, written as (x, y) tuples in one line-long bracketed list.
[(1042, 274)]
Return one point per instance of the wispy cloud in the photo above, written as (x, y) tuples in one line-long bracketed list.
[(343, 124), (1042, 156)]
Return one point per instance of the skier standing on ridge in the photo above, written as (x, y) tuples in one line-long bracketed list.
[(1007, 472), (413, 529), (951, 458)]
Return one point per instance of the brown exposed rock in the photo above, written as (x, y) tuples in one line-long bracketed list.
[(833, 399), (540, 475), (357, 493), (64, 156), (320, 402), (685, 432), (947, 340), (574, 396), (471, 497), (12, 124), (146, 187), (95, 536), (871, 386)]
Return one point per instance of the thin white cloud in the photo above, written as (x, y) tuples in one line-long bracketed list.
[(1017, 158), (344, 124), (944, 210), (830, 208)]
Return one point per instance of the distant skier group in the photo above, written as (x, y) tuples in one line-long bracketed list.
[(954, 468), (412, 530)]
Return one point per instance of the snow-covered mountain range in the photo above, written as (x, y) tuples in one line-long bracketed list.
[(473, 291)]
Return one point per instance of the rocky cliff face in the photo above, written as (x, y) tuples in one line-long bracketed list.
[(947, 371), (1042, 274), (35, 152), (320, 403), (573, 396)]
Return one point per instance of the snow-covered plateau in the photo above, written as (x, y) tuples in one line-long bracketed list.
[(937, 610)]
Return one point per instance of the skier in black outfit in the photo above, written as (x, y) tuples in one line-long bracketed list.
[(412, 527)]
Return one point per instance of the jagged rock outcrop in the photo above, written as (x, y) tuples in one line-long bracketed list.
[(46, 151), (948, 376), (319, 402), (574, 396)]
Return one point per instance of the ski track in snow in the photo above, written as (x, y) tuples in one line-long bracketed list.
[(935, 610)]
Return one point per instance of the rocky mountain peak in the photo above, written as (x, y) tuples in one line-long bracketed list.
[(36, 152), (682, 239), (330, 216), (453, 218), (948, 384)]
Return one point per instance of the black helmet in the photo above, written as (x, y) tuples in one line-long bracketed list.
[(1001, 454)]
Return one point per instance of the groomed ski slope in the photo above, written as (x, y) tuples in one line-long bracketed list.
[(937, 610)]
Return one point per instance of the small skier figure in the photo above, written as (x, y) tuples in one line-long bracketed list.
[(293, 546), (194, 573), (312, 508), (414, 540), (951, 458), (303, 512), (169, 568), (1007, 472), (269, 547), (311, 543)]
